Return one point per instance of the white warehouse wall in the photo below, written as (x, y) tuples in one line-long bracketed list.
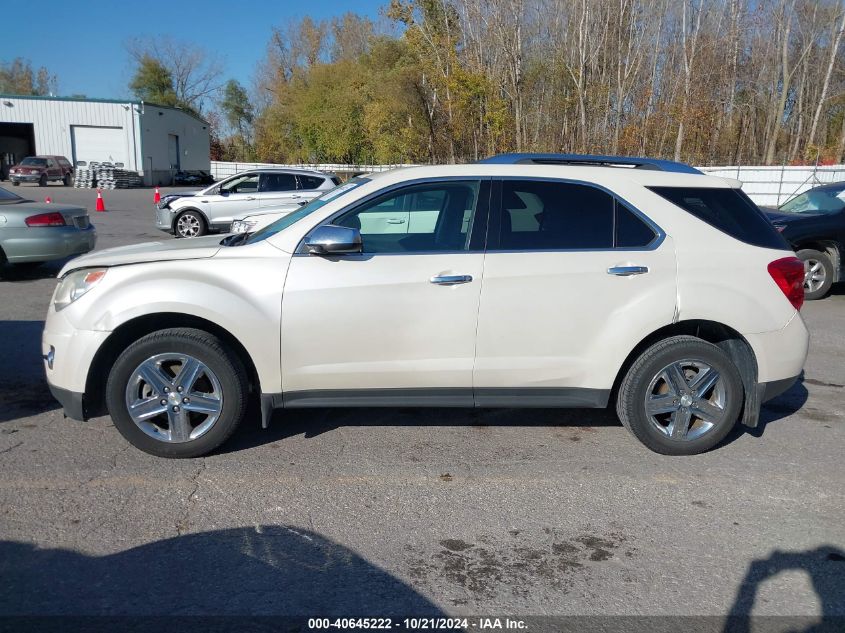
[(157, 124), (52, 119), (140, 132)]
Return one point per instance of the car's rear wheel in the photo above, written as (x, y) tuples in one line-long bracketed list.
[(177, 393), (42, 182), (190, 224), (818, 273), (15, 183), (682, 396)]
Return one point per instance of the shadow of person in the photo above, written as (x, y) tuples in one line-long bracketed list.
[(825, 567), (262, 570)]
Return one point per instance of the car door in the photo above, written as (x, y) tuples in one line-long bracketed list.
[(573, 279), (233, 197), (53, 170), (278, 189), (396, 323)]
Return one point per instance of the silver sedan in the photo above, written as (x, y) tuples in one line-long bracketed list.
[(36, 232)]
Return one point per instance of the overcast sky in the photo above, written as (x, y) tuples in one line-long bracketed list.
[(82, 42)]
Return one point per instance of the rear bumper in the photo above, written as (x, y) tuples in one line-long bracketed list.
[(781, 354), (43, 244), (776, 387)]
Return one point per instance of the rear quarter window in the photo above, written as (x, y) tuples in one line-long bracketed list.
[(729, 210)]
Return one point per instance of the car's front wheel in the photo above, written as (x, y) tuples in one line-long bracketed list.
[(682, 396), (818, 273), (190, 224), (177, 393), (67, 180)]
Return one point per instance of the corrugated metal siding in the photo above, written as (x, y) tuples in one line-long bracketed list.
[(157, 124), (52, 121)]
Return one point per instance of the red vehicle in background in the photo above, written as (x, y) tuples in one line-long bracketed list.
[(42, 169)]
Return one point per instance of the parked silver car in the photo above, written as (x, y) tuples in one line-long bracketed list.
[(213, 209), (36, 232)]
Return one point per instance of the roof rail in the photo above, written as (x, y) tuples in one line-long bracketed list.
[(656, 164)]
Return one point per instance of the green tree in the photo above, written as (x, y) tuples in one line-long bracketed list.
[(153, 82), (239, 114)]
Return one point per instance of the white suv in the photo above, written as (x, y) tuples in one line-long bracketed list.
[(521, 281), (193, 214)]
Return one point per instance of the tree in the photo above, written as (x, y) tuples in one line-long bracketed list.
[(239, 114), (153, 82), (17, 77), (194, 74)]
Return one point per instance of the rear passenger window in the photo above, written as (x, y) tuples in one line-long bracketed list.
[(278, 182), (728, 210), (631, 231), (309, 182), (543, 215)]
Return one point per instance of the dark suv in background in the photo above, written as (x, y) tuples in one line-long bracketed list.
[(42, 169), (813, 223)]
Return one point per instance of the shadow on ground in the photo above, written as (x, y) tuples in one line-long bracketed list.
[(260, 570), (825, 567), (23, 387), (313, 422)]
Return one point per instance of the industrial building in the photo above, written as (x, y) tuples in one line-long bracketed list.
[(156, 141)]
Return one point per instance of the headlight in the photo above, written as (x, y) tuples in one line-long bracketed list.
[(243, 226), (75, 284)]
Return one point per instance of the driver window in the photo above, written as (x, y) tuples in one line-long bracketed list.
[(242, 184), (433, 217)]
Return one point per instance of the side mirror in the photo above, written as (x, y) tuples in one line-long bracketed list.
[(330, 239)]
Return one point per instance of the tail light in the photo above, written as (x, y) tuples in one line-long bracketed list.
[(46, 219), (788, 274)]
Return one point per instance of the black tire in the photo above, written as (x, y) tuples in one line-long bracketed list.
[(823, 268), (27, 265), (42, 182), (67, 180), (15, 183), (190, 218), (206, 348), (631, 398)]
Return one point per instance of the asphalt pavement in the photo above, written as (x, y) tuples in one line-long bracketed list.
[(411, 511)]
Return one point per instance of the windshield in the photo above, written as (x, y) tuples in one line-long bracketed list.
[(284, 222), (7, 197), (816, 201), (34, 162)]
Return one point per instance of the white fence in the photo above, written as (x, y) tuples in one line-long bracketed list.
[(220, 169), (772, 186), (767, 186)]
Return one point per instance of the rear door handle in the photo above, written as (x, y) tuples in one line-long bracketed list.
[(450, 280), (250, 197), (627, 271)]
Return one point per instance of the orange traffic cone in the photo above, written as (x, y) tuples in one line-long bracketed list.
[(101, 206), (47, 200), (157, 197)]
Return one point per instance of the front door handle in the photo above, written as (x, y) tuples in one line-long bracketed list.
[(250, 198), (627, 271), (395, 221), (450, 280)]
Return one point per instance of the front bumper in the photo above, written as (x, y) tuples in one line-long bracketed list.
[(68, 354), (43, 244), (164, 219), (24, 177)]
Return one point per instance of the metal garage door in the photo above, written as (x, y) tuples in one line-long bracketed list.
[(101, 144)]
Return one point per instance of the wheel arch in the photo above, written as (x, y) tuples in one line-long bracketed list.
[(130, 331), (737, 348), (179, 212)]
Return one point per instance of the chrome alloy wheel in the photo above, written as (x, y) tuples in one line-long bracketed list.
[(686, 399), (188, 225), (814, 275), (174, 397)]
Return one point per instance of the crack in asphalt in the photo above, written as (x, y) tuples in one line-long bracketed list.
[(182, 524), (11, 448)]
